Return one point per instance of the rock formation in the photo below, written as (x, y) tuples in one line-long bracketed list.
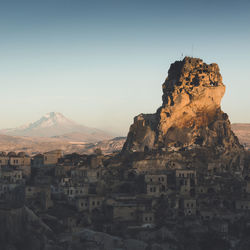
[(190, 115)]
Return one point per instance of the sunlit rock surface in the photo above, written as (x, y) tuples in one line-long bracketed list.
[(190, 114)]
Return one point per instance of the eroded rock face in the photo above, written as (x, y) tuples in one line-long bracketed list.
[(190, 114)]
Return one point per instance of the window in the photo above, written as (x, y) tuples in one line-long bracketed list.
[(98, 203), (93, 203), (146, 218)]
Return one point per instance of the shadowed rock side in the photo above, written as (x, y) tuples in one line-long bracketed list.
[(190, 114)]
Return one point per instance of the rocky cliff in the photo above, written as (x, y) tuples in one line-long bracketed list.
[(190, 115)]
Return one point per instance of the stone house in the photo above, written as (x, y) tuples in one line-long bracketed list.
[(31, 192), (51, 157), (188, 206), (47, 159), (185, 180), (242, 204), (214, 168), (183, 174), (134, 211), (21, 159), (66, 181), (4, 160), (219, 226), (155, 189), (9, 175), (206, 214), (185, 187), (38, 160), (201, 189), (90, 175), (95, 161), (26, 170), (6, 188), (73, 192), (156, 184), (63, 170), (125, 212), (89, 203), (40, 195), (56, 190), (147, 217)]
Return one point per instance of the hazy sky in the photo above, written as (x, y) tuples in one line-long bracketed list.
[(102, 62)]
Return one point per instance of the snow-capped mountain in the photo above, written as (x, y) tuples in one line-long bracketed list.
[(55, 124)]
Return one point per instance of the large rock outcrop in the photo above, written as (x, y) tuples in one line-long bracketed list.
[(190, 115)]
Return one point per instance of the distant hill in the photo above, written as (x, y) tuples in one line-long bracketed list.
[(242, 130), (57, 125), (34, 145)]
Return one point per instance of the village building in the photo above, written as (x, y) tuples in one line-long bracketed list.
[(48, 158), (147, 217), (51, 157), (21, 159), (38, 160), (242, 204), (183, 174), (89, 203), (39, 196), (213, 168), (156, 184), (4, 160), (73, 192), (90, 175), (63, 170), (9, 175), (6, 188), (188, 206)]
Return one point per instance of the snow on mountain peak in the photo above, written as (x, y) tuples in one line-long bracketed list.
[(53, 119), (55, 124)]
